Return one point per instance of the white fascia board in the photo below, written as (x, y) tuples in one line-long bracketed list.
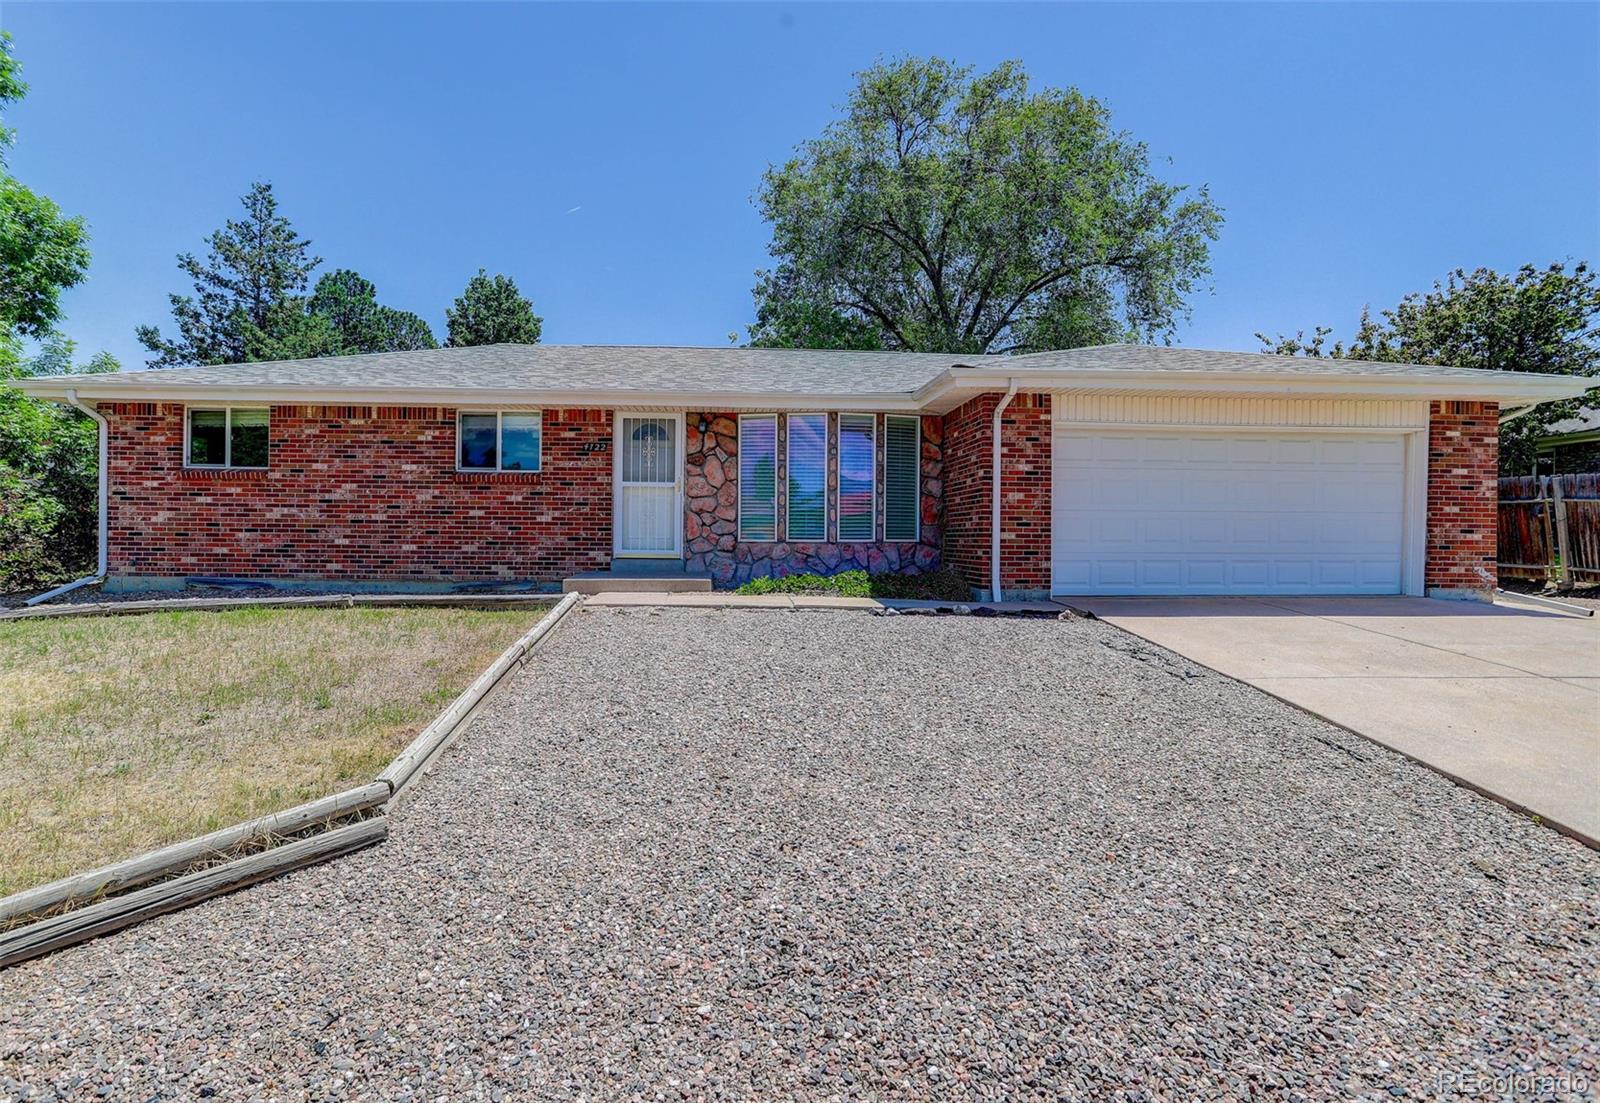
[(105, 390), (957, 385), (945, 392)]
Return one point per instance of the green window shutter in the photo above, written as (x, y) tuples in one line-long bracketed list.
[(902, 478), (808, 477), (758, 478), (857, 459)]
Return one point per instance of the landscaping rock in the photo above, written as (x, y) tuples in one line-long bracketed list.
[(824, 856)]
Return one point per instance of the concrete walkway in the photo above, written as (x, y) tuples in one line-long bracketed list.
[(1505, 700)]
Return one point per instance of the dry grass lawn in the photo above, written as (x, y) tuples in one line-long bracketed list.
[(119, 734)]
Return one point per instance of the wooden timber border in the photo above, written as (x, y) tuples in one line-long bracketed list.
[(86, 905)]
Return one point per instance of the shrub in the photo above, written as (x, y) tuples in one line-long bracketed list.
[(941, 585)]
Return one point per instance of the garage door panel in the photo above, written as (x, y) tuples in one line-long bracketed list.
[(1222, 512)]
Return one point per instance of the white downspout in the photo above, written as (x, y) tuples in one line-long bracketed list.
[(100, 560), (994, 496)]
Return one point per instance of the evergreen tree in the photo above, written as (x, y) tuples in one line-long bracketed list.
[(491, 311)]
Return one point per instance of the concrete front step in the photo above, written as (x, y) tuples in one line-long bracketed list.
[(627, 582)]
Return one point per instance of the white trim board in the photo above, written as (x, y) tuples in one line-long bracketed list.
[(617, 418)]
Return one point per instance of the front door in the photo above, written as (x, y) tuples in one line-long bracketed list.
[(649, 465)]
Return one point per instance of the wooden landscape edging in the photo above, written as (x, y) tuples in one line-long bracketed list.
[(409, 762), (174, 889), (312, 601), (121, 876), (121, 911)]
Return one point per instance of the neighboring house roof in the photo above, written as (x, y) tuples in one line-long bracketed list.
[(641, 375), (1586, 424)]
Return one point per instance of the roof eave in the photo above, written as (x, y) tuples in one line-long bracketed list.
[(944, 392), (130, 390), (956, 385)]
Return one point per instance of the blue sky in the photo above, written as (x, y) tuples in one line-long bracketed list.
[(605, 155)]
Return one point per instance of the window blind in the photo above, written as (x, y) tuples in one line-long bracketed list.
[(902, 482), (758, 477), (808, 477), (857, 460)]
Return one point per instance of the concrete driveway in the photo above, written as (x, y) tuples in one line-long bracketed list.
[(1505, 700)]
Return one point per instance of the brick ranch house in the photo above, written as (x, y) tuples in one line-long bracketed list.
[(1122, 469)]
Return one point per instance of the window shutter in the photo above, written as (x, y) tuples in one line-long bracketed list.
[(758, 478), (902, 481), (857, 459), (808, 477)]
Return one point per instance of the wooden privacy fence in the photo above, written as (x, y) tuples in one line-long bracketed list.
[(1550, 528)]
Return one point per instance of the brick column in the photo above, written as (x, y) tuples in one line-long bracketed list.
[(1463, 472), (1024, 492)]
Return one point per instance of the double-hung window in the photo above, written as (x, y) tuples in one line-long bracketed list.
[(902, 478), (499, 440), (227, 436), (857, 493), (808, 477), (758, 477)]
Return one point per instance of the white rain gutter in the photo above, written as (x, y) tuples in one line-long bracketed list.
[(100, 560), (1510, 415), (994, 496)]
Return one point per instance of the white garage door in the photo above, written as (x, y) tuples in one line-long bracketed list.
[(1191, 512)]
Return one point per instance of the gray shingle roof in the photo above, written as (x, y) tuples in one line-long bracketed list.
[(599, 367), (1587, 421), (1160, 358), (779, 373)]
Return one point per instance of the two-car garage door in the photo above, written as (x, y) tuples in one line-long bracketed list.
[(1205, 511)]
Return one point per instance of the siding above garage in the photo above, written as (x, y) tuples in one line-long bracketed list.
[(1088, 408)]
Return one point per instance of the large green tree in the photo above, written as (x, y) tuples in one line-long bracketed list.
[(953, 212), (491, 311), (350, 303), (47, 452), (255, 267), (48, 458), (42, 251), (250, 300), (1533, 320), (341, 317)]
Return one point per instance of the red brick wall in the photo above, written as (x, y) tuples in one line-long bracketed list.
[(1463, 457), (356, 493), (1024, 491)]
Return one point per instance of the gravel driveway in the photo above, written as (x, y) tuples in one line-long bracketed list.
[(740, 854)]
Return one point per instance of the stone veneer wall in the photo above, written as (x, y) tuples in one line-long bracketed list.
[(711, 502), (1463, 485)]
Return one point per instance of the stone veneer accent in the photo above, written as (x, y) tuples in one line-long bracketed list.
[(358, 493), (711, 542), (1024, 489), (1463, 484)]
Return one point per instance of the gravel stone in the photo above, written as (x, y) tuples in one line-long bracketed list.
[(820, 855)]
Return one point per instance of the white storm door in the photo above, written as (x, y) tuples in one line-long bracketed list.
[(649, 462)]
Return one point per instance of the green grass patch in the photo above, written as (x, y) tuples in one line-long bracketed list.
[(121, 734)]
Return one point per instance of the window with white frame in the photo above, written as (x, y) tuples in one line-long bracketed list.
[(857, 491), (808, 477), (758, 477), (902, 478), (498, 440), (226, 436)]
